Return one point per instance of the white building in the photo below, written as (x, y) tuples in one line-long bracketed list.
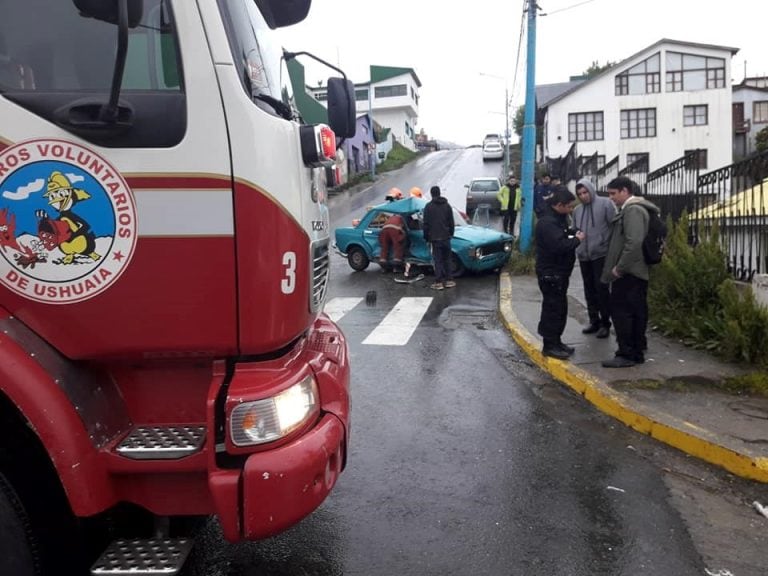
[(750, 114), (394, 101), (658, 104)]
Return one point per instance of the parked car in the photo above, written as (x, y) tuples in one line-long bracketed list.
[(473, 248), (493, 150), (483, 190)]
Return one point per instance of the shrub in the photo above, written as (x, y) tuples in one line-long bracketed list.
[(683, 294), (692, 297)]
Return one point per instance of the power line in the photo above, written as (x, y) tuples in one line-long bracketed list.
[(566, 8), (519, 44)]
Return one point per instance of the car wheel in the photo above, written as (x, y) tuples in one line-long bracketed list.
[(17, 542), (457, 268), (357, 258)]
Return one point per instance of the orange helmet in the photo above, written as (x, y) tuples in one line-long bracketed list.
[(416, 192), (394, 194)]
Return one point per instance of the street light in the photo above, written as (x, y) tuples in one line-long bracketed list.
[(506, 116)]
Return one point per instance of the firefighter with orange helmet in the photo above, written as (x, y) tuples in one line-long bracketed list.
[(416, 192), (394, 194)]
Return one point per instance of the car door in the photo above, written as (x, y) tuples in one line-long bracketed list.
[(372, 231), (123, 215), (417, 247)]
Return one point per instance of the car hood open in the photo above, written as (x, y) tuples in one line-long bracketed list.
[(480, 234)]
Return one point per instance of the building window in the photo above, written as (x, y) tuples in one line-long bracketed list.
[(638, 123), (642, 78), (585, 126), (390, 91), (639, 159), (692, 72), (760, 112), (702, 160), (695, 115), (361, 94)]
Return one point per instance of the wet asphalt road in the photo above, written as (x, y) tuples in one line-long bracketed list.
[(464, 459)]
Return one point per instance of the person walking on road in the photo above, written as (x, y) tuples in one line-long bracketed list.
[(627, 272), (594, 216), (438, 231), (510, 198), (556, 245)]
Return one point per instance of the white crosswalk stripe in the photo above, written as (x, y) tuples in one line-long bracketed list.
[(336, 308), (399, 325)]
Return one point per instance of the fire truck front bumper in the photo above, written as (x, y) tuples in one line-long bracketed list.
[(278, 488)]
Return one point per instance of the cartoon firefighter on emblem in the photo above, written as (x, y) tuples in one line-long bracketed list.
[(69, 232)]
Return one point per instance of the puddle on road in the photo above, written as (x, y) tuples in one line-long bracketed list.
[(455, 317)]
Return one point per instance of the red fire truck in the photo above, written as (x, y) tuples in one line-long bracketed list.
[(164, 261)]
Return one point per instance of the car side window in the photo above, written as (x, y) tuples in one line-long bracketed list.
[(47, 73), (378, 221)]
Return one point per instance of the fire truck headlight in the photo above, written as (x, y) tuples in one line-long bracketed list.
[(273, 418)]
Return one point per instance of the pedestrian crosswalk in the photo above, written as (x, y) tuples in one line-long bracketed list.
[(398, 325)]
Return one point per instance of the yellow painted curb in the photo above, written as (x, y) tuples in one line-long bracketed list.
[(614, 404)]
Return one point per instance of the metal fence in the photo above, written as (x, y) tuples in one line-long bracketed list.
[(673, 187), (606, 174), (637, 171), (734, 200), (565, 167)]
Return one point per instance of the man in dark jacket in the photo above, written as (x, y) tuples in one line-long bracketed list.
[(438, 231), (556, 245), (541, 192), (593, 216)]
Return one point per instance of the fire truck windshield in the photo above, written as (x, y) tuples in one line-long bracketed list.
[(258, 57)]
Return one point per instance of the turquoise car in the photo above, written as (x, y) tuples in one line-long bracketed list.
[(474, 248)]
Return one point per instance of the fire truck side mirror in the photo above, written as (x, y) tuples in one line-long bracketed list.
[(109, 11), (280, 13), (341, 107)]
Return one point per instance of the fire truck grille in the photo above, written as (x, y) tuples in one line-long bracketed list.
[(321, 267), (155, 556), (162, 442)]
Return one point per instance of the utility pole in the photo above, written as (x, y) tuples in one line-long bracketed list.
[(373, 132), (529, 133), (506, 134)]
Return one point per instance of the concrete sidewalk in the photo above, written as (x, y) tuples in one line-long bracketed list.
[(670, 397)]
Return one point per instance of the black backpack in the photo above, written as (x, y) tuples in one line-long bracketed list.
[(656, 239)]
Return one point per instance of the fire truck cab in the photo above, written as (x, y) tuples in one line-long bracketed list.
[(164, 261)]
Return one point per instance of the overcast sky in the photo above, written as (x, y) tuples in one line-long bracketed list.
[(465, 52)]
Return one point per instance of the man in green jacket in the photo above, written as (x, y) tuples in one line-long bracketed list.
[(626, 271), (510, 198)]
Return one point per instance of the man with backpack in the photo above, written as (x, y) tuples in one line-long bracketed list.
[(626, 270)]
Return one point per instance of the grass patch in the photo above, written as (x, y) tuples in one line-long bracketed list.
[(753, 383), (522, 264), (398, 157)]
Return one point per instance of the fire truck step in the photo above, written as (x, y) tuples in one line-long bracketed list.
[(162, 442), (161, 556)]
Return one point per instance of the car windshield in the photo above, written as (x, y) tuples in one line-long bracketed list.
[(485, 186)]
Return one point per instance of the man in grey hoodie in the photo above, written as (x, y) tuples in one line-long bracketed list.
[(627, 272), (593, 216)]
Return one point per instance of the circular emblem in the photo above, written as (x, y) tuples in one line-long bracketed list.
[(67, 221)]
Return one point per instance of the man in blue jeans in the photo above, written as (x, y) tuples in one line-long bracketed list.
[(438, 231)]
